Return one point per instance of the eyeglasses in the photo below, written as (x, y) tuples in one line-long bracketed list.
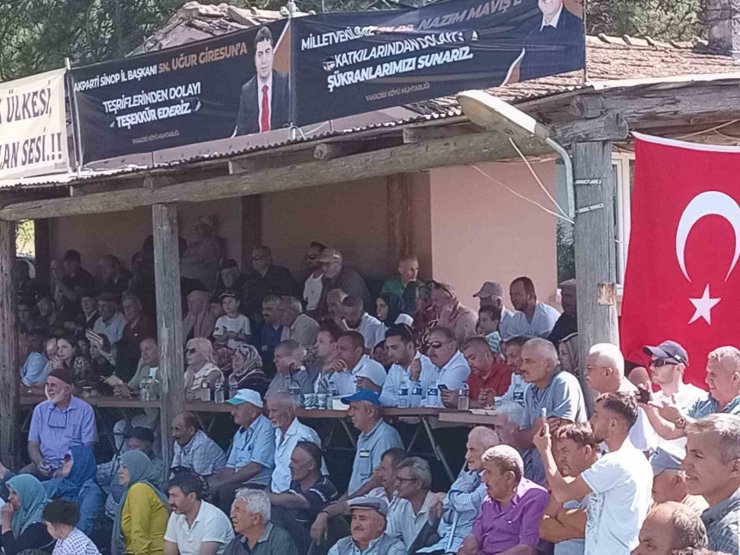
[(658, 362), (399, 479), (57, 419), (190, 351)]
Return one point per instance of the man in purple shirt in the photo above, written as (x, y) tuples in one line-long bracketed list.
[(509, 519), (62, 422)]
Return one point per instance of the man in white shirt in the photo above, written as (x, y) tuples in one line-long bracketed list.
[(313, 287), (195, 527), (296, 325), (367, 373), (356, 319), (619, 483), (532, 318), (111, 321), (453, 369), (288, 432), (410, 518), (605, 367), (410, 369), (331, 375)]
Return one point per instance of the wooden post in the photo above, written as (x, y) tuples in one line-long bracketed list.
[(399, 218), (169, 320), (9, 423), (595, 249), (251, 230)]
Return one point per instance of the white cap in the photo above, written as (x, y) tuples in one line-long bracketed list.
[(246, 396), (372, 370)]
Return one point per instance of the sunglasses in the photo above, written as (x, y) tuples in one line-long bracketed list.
[(658, 362)]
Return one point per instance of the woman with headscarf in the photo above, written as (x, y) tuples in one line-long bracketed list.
[(199, 320), (143, 511), (201, 371), (22, 517), (78, 483), (246, 370), (390, 310)]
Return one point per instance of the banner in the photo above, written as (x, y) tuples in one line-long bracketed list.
[(33, 133), (348, 63), (203, 91), (683, 279)]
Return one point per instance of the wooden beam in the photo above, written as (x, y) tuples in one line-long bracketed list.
[(465, 150), (400, 226), (9, 393), (595, 252), (422, 133), (169, 321), (251, 229)]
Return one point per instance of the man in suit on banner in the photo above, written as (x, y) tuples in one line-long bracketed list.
[(556, 45), (264, 99)]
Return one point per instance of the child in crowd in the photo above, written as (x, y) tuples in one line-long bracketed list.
[(232, 329), (489, 317)]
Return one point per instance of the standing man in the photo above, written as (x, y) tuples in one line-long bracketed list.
[(532, 318), (264, 101), (267, 279), (313, 286), (568, 321), (337, 275), (619, 483), (356, 319), (195, 527), (712, 467)]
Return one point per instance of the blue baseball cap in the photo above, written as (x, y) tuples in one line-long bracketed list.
[(362, 395)]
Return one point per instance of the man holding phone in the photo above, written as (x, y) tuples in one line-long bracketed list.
[(619, 483)]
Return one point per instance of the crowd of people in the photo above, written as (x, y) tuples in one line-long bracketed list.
[(654, 468)]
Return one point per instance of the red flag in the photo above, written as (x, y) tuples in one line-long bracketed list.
[(683, 265)]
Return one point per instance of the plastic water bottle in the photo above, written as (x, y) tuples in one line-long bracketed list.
[(433, 397), (403, 395), (416, 394), (219, 391), (463, 398), (295, 392), (518, 393)]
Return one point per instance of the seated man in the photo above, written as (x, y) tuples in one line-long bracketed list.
[(296, 325), (148, 369), (386, 476), (35, 368), (111, 321), (451, 313), (376, 437), (250, 515), (411, 370), (61, 422), (290, 372), (356, 319), (50, 319), (368, 530), (267, 278), (489, 319), (712, 467), (193, 449), (410, 518), (672, 529), (113, 278), (408, 272), (532, 318), (272, 329), (489, 376), (509, 519), (230, 278), (669, 483), (195, 527), (513, 354), (331, 375), (309, 493), (564, 524), (252, 451), (288, 432), (463, 501), (452, 369), (367, 373), (337, 275)]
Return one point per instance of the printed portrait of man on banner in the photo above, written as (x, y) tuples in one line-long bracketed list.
[(265, 98)]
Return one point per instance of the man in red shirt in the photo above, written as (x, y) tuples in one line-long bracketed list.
[(490, 376)]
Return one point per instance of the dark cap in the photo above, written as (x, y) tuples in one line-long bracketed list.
[(62, 374), (229, 263), (109, 297), (144, 434), (669, 350)]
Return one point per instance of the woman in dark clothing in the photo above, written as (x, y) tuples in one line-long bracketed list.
[(22, 517), (246, 370)]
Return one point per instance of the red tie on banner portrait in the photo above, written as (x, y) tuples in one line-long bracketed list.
[(265, 116), (683, 277)]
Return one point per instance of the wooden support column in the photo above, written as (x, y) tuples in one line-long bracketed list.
[(399, 218), (169, 320), (595, 248), (9, 423), (251, 229)]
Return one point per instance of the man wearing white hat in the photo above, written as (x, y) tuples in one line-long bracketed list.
[(252, 452)]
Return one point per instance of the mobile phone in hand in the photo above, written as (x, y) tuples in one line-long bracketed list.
[(644, 395)]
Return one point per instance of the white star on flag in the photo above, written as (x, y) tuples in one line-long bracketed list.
[(703, 307)]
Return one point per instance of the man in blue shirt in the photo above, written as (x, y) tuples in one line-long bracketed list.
[(252, 452), (34, 369), (58, 424)]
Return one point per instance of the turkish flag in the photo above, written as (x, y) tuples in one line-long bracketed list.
[(683, 265)]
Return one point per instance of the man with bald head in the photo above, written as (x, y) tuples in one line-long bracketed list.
[(463, 501), (671, 529), (556, 392), (193, 449), (605, 374), (337, 275)]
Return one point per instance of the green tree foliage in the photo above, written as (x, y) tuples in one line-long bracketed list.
[(659, 19)]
